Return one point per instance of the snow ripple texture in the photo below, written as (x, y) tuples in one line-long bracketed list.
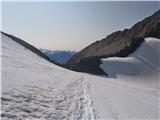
[(72, 103)]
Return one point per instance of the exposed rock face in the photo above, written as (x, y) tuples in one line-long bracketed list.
[(120, 43)]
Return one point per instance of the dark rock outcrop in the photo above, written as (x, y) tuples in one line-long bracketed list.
[(120, 44)]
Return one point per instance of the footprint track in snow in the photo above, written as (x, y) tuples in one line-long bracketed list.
[(73, 102)]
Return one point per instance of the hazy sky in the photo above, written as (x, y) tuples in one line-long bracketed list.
[(70, 25)]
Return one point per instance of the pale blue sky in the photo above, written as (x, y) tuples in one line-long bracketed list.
[(70, 25)]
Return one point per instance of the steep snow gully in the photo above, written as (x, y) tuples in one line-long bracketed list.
[(33, 88)]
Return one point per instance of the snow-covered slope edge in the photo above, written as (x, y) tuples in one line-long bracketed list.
[(143, 64), (27, 46)]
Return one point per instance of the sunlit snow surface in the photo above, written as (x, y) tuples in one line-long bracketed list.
[(33, 88)]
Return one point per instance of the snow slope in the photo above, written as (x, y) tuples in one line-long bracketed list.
[(33, 88)]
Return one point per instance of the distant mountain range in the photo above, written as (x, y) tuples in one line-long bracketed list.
[(120, 44), (59, 56)]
